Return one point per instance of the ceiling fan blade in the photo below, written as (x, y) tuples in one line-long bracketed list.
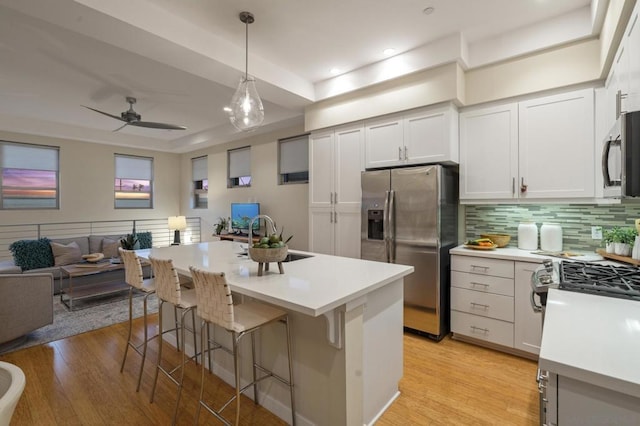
[(152, 125), (105, 113), (124, 125)]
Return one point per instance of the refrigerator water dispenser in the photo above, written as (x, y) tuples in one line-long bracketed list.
[(375, 225)]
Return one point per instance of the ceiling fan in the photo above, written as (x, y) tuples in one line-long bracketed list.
[(132, 118)]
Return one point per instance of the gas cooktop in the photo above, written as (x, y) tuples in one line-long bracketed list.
[(604, 280)]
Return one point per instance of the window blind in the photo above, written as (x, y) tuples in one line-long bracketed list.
[(128, 167), (294, 155), (240, 162), (199, 168), (29, 157)]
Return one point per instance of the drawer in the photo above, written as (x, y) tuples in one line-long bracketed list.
[(483, 266), (485, 304), (483, 283), (482, 328)]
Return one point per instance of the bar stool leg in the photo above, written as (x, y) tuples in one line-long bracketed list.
[(184, 360), (293, 411), (155, 378), (253, 361), (126, 348), (236, 367), (195, 342), (146, 340), (202, 336), (175, 316)]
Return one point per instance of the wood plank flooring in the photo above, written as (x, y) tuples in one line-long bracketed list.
[(76, 381)]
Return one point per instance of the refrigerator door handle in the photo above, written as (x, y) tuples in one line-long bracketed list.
[(385, 226), (392, 227)]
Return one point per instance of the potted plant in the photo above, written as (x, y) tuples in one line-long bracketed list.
[(222, 226), (608, 238), (620, 240), (129, 242)]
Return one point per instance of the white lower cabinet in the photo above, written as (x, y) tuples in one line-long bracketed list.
[(490, 302)]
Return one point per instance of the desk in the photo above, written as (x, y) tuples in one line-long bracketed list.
[(237, 237), (347, 360)]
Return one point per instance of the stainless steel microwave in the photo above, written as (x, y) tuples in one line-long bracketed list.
[(621, 158)]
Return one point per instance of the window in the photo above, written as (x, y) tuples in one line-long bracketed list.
[(29, 177), (293, 160), (200, 173), (133, 182), (239, 167)]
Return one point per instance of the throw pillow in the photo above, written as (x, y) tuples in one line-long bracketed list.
[(144, 239), (66, 254), (110, 248), (32, 254)]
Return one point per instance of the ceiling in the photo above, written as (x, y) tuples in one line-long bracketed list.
[(183, 59)]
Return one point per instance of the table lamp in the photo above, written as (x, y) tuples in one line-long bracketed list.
[(177, 223)]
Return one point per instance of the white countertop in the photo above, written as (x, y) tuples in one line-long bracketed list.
[(514, 253), (595, 339), (312, 286)]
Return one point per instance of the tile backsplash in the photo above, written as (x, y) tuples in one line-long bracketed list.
[(576, 220)]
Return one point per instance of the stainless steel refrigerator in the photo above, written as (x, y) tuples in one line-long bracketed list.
[(410, 217)]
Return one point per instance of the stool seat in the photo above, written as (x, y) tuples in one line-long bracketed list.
[(252, 314)]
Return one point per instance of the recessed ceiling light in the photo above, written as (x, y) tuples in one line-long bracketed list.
[(335, 71), (428, 10), (389, 51), (226, 109)]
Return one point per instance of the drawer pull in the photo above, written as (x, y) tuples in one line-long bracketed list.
[(476, 305), (473, 283), (475, 329), (484, 268)]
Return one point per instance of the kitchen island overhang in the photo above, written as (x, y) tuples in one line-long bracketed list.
[(346, 321)]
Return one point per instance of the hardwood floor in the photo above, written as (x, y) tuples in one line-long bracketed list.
[(76, 381)]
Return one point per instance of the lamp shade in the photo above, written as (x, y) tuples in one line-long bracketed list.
[(246, 110), (177, 223)]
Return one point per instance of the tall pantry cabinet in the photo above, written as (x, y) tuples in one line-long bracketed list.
[(336, 159)]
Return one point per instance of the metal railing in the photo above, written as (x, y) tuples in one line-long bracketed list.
[(161, 235)]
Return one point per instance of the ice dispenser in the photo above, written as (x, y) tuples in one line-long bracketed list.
[(375, 225)]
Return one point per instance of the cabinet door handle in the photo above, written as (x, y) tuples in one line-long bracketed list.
[(335, 217), (473, 284), (476, 305), (523, 187), (406, 155), (476, 329), (513, 186), (399, 153)]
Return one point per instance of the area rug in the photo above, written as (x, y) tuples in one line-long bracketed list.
[(92, 314)]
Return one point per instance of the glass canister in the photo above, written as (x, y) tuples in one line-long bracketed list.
[(551, 237), (527, 236)]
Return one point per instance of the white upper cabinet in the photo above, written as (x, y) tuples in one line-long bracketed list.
[(424, 136), (536, 149), (489, 152), (632, 36), (335, 195), (556, 146)]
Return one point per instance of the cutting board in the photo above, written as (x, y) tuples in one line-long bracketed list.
[(625, 259)]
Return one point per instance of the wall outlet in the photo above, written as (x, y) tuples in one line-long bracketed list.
[(596, 232)]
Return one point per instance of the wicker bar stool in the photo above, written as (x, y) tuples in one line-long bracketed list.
[(215, 306), (135, 278), (169, 291)]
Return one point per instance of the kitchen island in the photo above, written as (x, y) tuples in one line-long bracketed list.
[(346, 317)]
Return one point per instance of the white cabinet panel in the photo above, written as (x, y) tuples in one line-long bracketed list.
[(556, 140), (484, 304), (335, 163), (478, 327), (633, 61), (425, 136), (482, 266), (528, 324), (489, 152), (483, 283)]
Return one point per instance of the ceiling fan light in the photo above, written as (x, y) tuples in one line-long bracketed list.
[(246, 107)]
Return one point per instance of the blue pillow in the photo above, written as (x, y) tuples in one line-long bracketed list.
[(32, 254), (144, 239)]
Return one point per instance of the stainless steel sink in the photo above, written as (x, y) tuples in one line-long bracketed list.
[(295, 256)]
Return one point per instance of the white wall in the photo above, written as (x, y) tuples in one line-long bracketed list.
[(287, 205), (87, 184)]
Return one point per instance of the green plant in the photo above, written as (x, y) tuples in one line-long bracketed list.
[(629, 235), (619, 235), (223, 223), (129, 242)]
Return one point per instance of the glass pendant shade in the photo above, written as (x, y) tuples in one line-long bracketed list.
[(246, 110)]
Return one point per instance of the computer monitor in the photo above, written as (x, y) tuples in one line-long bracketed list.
[(241, 215)]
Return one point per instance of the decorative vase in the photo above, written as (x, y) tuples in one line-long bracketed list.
[(609, 248), (635, 254)]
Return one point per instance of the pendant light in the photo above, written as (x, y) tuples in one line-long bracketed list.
[(246, 111)]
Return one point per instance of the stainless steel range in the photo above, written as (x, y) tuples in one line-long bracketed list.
[(585, 277)]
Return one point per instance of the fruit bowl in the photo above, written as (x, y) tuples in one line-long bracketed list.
[(266, 255)]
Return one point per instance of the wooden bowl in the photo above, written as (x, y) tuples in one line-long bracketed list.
[(266, 255), (501, 240)]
